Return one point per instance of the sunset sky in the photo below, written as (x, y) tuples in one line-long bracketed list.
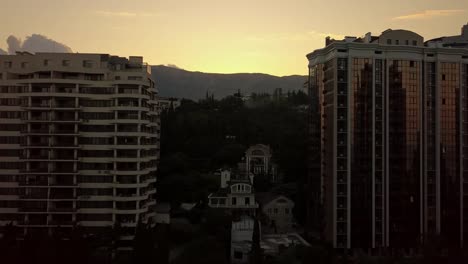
[(268, 36)]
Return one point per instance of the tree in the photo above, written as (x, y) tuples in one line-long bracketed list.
[(143, 244), (162, 239), (8, 245)]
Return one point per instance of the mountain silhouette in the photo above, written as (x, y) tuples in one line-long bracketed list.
[(179, 83)]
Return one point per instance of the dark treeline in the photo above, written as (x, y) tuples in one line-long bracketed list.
[(199, 137), (75, 246)]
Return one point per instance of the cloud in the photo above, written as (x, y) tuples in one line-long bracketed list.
[(123, 14), (14, 44), (36, 43), (427, 14)]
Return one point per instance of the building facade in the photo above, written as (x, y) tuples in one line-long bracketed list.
[(393, 140), (459, 41), (79, 142), (236, 195), (278, 210)]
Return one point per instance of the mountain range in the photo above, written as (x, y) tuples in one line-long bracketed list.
[(179, 83)]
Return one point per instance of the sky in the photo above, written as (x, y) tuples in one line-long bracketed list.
[(222, 36)]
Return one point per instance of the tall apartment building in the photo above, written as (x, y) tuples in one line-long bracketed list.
[(394, 140), (79, 142)]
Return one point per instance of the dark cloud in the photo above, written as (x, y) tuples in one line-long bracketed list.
[(36, 43), (14, 44), (39, 43)]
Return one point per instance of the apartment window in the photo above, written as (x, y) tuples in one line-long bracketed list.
[(95, 204), (46, 62), (11, 140), (94, 217), (24, 65), (247, 200), (234, 201), (415, 43), (7, 64), (286, 211), (407, 42), (389, 41), (96, 192), (397, 42), (117, 78), (10, 165), (135, 78), (443, 77), (411, 63), (65, 63), (87, 64)]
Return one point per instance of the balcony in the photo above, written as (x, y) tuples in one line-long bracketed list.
[(63, 131), (34, 196), (33, 183), (32, 209), (63, 210), (69, 105), (60, 196), (43, 130), (33, 222), (65, 170), (65, 89), (39, 118), (61, 223), (35, 170)]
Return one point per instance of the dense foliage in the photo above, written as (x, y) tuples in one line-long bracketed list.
[(199, 137)]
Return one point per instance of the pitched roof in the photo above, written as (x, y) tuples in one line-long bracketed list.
[(264, 198)]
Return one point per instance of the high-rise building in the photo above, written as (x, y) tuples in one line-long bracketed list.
[(79, 142), (394, 141)]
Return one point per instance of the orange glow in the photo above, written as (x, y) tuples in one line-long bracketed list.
[(268, 36)]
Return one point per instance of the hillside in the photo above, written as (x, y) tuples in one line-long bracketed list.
[(173, 82)]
